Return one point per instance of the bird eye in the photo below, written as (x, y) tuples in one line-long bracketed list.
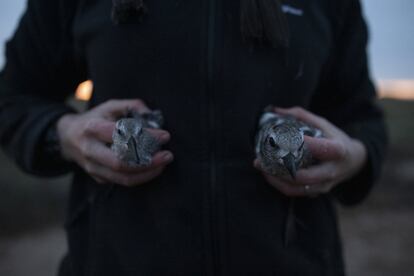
[(119, 131), (272, 143)]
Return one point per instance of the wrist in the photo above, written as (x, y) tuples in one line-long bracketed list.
[(63, 126)]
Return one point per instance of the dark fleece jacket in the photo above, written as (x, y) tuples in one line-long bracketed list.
[(211, 212)]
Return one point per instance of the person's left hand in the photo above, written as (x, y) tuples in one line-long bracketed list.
[(340, 157)]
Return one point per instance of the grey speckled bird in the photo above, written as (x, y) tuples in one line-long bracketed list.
[(281, 151), (132, 142), (280, 146)]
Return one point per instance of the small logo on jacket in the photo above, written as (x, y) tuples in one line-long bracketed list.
[(292, 10)]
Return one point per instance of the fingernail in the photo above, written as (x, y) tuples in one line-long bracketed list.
[(167, 157), (165, 136)]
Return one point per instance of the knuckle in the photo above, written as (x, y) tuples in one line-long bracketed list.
[(138, 102), (116, 165), (110, 102), (163, 134), (88, 168), (337, 149), (322, 120), (342, 152), (300, 109), (297, 110), (104, 105), (85, 150), (91, 127)]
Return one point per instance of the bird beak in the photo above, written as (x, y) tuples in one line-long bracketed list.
[(132, 144), (289, 162)]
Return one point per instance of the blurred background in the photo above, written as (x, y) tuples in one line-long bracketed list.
[(378, 235)]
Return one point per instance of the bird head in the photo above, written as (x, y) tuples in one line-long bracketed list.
[(127, 131), (284, 144)]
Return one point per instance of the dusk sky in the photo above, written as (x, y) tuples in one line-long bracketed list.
[(391, 26)]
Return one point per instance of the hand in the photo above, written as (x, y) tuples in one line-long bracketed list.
[(84, 138), (340, 157)]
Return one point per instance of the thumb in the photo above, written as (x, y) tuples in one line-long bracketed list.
[(101, 129)]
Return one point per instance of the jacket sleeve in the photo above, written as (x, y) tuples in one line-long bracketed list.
[(40, 72), (347, 98)]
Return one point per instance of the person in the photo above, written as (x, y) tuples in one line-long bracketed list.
[(201, 207)]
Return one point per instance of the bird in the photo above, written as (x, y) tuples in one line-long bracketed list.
[(280, 144), (132, 142), (281, 151)]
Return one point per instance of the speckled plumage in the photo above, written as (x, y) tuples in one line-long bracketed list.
[(132, 142), (280, 146)]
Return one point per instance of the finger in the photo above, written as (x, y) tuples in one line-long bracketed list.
[(318, 175), (295, 188), (161, 135), (105, 175), (325, 149), (100, 129), (118, 108), (159, 159), (312, 119), (99, 153), (286, 178)]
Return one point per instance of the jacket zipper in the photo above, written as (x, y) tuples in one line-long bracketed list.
[(212, 138)]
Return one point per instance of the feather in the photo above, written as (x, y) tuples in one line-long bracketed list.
[(132, 142)]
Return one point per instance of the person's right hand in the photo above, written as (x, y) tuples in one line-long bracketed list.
[(84, 139)]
